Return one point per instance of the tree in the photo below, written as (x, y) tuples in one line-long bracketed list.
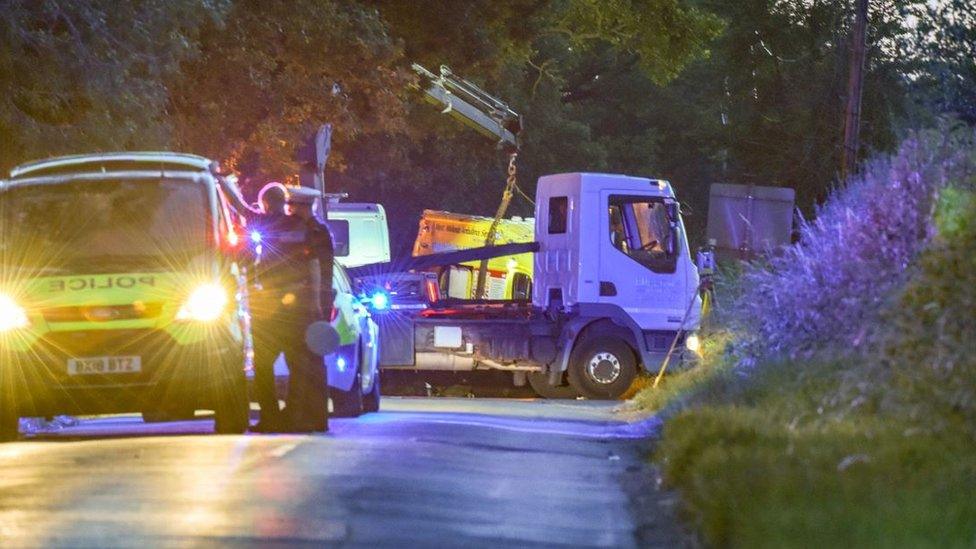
[(271, 71), (89, 75), (533, 54), (765, 107), (942, 51)]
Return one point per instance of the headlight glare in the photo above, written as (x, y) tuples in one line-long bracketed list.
[(205, 304), (12, 315)]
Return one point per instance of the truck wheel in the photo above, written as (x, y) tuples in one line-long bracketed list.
[(371, 401), (602, 368), (540, 384), (348, 403), (231, 408)]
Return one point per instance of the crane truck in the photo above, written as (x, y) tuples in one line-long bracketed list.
[(615, 290)]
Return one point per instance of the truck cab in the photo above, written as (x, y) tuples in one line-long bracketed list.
[(614, 262), (613, 245)]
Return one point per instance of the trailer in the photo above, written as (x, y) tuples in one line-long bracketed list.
[(615, 290)]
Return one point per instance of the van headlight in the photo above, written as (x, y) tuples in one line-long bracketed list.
[(12, 315), (205, 304), (693, 343)]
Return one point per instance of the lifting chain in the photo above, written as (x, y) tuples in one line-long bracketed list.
[(511, 185), (512, 172)]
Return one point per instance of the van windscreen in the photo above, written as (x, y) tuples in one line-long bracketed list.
[(103, 226)]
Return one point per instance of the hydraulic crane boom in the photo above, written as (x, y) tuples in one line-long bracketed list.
[(471, 105)]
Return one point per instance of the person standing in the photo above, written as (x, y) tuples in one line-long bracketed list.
[(293, 276)]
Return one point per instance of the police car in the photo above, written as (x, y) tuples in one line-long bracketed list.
[(354, 376)]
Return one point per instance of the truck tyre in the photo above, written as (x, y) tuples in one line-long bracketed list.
[(371, 401), (231, 408), (540, 384), (602, 368)]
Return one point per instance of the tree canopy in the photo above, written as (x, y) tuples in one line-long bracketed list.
[(90, 74), (698, 91)]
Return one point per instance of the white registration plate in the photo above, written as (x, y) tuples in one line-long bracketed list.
[(104, 365)]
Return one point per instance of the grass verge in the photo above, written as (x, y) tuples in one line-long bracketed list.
[(763, 464)]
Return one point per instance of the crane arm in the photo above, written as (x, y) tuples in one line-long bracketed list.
[(471, 105)]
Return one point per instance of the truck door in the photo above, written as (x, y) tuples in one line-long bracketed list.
[(639, 245)]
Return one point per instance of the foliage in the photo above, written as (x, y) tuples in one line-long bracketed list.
[(660, 36), (929, 353), (766, 107), (822, 442), (827, 291), (272, 70), (90, 74), (942, 50), (532, 54), (696, 91), (759, 466)]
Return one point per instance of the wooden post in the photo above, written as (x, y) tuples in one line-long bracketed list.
[(855, 85)]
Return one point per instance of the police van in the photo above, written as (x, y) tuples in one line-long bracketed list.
[(121, 289), (353, 368)]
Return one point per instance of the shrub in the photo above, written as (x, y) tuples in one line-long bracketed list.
[(854, 424), (929, 344), (828, 291)]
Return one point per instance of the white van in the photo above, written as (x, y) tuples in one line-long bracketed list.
[(369, 236)]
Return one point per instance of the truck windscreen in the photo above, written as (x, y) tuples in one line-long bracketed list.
[(641, 228), (103, 226)]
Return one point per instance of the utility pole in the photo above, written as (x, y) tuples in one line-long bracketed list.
[(855, 85)]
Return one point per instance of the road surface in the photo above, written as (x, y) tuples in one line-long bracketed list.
[(425, 472)]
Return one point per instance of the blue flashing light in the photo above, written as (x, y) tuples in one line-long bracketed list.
[(341, 364), (380, 301), (255, 237)]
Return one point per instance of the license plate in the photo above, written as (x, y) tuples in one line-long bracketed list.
[(104, 365)]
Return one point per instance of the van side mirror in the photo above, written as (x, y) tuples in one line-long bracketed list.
[(705, 260)]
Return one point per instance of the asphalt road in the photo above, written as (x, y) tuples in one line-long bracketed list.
[(423, 472)]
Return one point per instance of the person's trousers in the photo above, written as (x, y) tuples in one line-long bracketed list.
[(283, 331)]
